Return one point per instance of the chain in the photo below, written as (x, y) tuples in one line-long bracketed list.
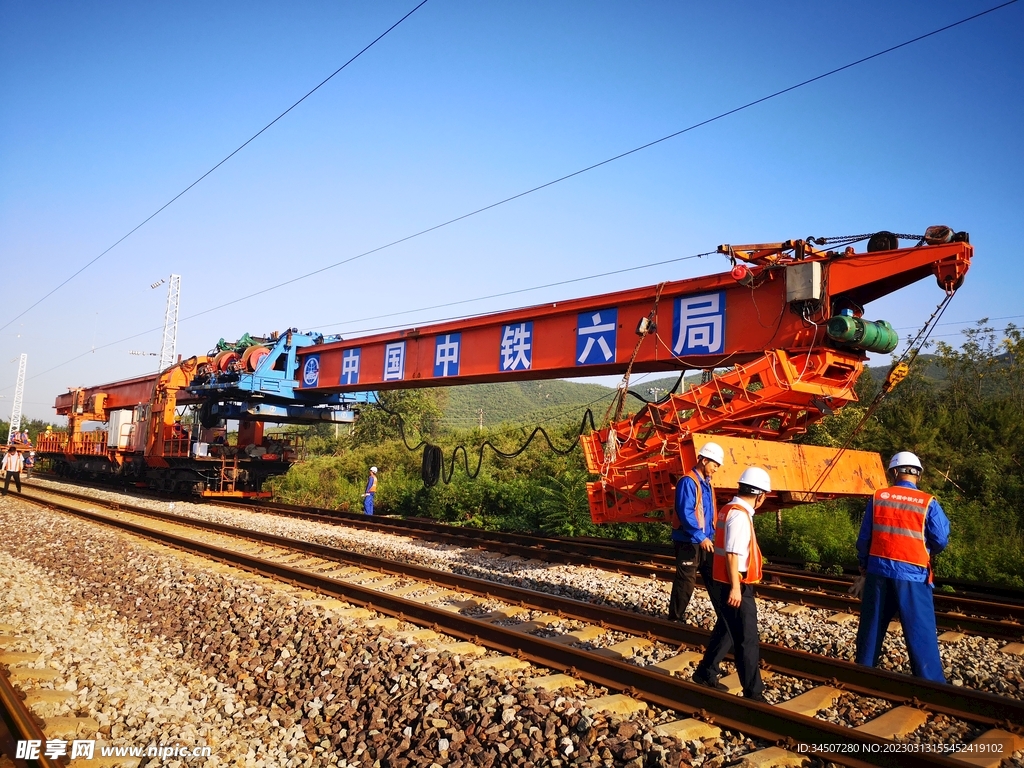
[(847, 239), (897, 373), (915, 346)]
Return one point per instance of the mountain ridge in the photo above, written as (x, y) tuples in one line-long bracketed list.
[(523, 402)]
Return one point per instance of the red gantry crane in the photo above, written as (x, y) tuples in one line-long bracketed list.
[(782, 339)]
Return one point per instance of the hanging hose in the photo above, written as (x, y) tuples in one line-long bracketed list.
[(658, 401), (433, 463), (433, 469)]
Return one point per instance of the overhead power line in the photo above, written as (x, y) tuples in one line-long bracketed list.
[(513, 197), (963, 322), (242, 146), (596, 165), (423, 309), (501, 295)]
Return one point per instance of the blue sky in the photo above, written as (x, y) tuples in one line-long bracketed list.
[(109, 110)]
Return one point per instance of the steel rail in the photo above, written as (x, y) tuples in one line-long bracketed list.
[(762, 721), (628, 560), (962, 703), (639, 559), (521, 545), (18, 723)]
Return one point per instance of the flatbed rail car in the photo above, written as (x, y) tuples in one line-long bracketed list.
[(135, 431)]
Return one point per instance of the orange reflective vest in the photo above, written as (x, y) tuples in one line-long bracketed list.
[(371, 484), (720, 568), (898, 518), (698, 506)]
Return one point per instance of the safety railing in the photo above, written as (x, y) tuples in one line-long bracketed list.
[(52, 442), (82, 444), (177, 445)]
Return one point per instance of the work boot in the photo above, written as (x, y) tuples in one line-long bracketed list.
[(759, 696), (708, 679)]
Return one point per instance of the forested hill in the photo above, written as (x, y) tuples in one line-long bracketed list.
[(521, 402), (530, 402), (534, 401), (927, 365)]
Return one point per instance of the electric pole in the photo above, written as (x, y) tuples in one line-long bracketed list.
[(19, 394), (170, 343)]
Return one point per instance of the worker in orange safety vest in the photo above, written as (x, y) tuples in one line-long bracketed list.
[(903, 529), (737, 567), (693, 529)]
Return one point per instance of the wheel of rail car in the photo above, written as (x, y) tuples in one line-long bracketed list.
[(253, 356)]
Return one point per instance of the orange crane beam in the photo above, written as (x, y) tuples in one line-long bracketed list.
[(700, 323)]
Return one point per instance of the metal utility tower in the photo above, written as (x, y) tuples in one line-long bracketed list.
[(19, 394), (170, 343)]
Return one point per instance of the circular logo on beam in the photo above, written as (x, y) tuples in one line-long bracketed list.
[(311, 371)]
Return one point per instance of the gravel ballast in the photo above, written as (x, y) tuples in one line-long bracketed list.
[(973, 661), (162, 648)]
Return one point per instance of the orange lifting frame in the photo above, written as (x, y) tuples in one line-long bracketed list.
[(774, 398), (785, 374)]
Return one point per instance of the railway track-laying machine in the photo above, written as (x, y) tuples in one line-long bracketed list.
[(147, 442), (781, 340)]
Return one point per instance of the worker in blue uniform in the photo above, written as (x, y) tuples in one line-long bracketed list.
[(371, 491), (693, 529), (903, 529)]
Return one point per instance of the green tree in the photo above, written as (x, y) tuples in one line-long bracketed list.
[(417, 412), (565, 510)]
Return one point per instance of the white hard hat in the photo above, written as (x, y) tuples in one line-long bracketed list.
[(373, 469), (905, 459), (756, 478), (714, 452)]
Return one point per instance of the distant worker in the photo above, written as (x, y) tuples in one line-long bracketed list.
[(177, 431), (21, 438), (693, 529), (737, 567), (371, 491), (11, 468), (30, 461), (903, 529)]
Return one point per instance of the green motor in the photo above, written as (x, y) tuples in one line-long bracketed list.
[(870, 336)]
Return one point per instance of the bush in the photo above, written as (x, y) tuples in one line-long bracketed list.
[(821, 533), (983, 546)]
